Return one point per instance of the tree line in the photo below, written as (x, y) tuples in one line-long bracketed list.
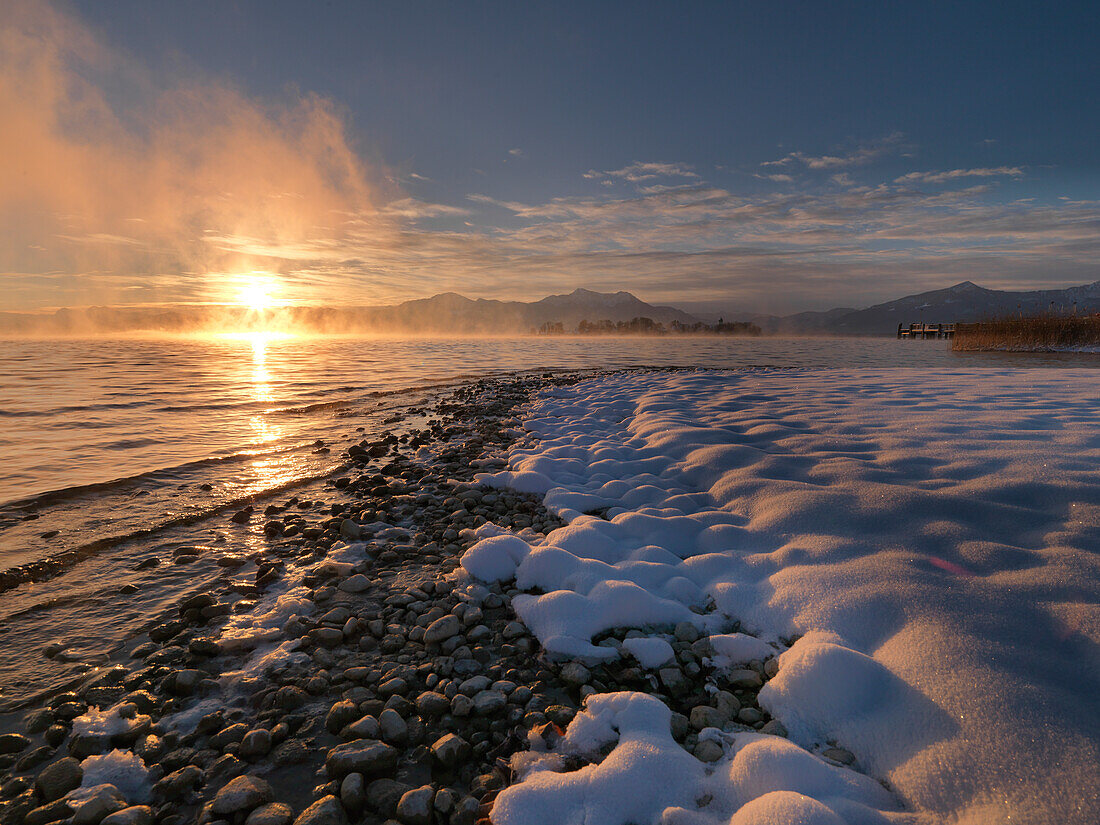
[(647, 326)]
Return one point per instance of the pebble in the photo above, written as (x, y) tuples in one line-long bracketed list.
[(442, 629), (745, 679), (13, 743), (134, 815), (415, 806), (364, 756), (708, 751), (574, 673), (450, 749), (59, 778), (355, 584), (325, 811), (273, 813), (242, 794)]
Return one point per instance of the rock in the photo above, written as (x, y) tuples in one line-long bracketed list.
[(673, 680), (394, 728), (59, 778), (393, 687), (686, 632), (341, 715), (179, 782), (273, 813), (365, 728), (745, 679), (355, 584), (840, 755), (256, 743), (431, 704), (184, 682), (750, 716), (771, 667), (51, 812), (462, 705), (327, 636), (489, 702), (96, 803), (325, 811), (13, 743), (415, 807), (290, 697), (574, 673), (708, 751), (774, 728), (349, 529), (365, 756), (242, 794), (679, 726), (704, 716), (353, 792), (442, 629), (384, 794), (450, 749), (134, 815)]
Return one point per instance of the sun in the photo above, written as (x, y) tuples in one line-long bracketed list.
[(256, 294)]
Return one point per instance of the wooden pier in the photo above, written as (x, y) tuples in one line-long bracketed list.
[(926, 331)]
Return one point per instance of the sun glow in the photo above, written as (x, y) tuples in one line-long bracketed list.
[(257, 293)]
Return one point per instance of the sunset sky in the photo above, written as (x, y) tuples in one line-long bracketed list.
[(756, 156)]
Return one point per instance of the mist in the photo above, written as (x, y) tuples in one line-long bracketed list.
[(172, 195)]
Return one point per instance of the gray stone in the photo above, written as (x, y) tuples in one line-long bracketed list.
[(489, 702), (134, 815), (50, 812), (355, 584), (429, 703), (365, 756), (273, 813), (574, 673), (462, 705), (353, 791), (745, 679), (393, 687), (771, 667), (97, 803), (475, 684), (394, 729), (325, 811), (442, 629), (242, 794), (341, 715), (708, 751), (450, 749), (686, 632), (750, 716), (179, 782), (59, 778), (844, 757), (13, 742), (364, 728), (673, 680), (774, 728), (679, 726), (415, 807), (704, 716), (384, 794), (256, 743)]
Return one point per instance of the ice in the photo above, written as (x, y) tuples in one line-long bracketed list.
[(930, 539), (249, 630), (96, 722), (125, 770)]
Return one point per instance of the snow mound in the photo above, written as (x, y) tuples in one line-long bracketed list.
[(651, 653), (932, 541), (648, 778)]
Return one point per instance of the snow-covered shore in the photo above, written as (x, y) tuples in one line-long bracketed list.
[(932, 540)]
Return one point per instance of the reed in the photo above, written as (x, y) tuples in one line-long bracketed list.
[(1037, 332)]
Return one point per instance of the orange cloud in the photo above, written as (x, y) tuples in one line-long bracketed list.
[(98, 196)]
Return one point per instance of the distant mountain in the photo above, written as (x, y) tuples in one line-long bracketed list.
[(446, 313), (962, 302)]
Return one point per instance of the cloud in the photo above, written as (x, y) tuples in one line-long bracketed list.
[(638, 171), (516, 153), (864, 153), (101, 189), (956, 174)]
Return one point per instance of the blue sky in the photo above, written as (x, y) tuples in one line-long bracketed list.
[(754, 156)]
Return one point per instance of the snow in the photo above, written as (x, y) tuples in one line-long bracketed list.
[(96, 722), (932, 539), (648, 778), (650, 653), (495, 558), (122, 769)]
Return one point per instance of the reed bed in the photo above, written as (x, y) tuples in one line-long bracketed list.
[(1037, 332)]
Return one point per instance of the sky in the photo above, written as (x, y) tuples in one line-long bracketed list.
[(744, 157)]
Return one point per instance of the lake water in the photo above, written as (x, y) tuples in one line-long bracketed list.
[(113, 451)]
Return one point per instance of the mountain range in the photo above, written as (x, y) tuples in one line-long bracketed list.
[(451, 313), (965, 301)]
